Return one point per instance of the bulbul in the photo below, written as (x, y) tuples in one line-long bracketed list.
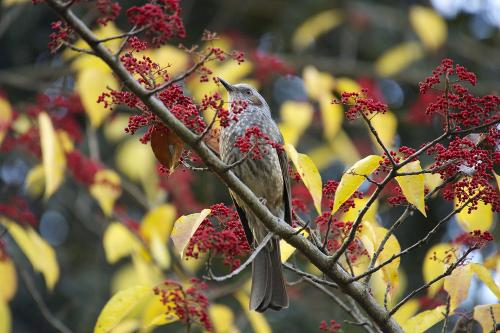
[(268, 179)]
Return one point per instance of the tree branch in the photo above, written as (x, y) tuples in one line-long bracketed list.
[(277, 226)]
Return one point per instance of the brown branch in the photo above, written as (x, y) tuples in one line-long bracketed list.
[(44, 309), (379, 140), (277, 226)]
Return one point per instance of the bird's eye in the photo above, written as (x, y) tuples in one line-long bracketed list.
[(248, 92)]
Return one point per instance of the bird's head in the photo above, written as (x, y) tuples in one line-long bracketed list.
[(244, 92)]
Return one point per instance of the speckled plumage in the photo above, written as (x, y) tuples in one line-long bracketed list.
[(268, 179)]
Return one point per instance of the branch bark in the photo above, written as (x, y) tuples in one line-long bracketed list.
[(356, 290)]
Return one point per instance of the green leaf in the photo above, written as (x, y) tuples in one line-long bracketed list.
[(184, 229), (119, 306), (308, 173), (353, 178)]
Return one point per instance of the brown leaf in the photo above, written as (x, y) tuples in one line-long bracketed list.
[(167, 147)]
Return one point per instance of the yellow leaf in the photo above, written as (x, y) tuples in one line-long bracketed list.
[(318, 84), (47, 260), (332, 116), (139, 272), (370, 215), (185, 227), (435, 265), (114, 129), (406, 311), (430, 26), (345, 84), (398, 58), (353, 178), (119, 242), (485, 276), (308, 173), (256, 319), (479, 219), (168, 55), (222, 318), (84, 61), (119, 306), (22, 124), (315, 26), (126, 326), (412, 186), (5, 117), (371, 237), (385, 124), (156, 227), (126, 157), (35, 180), (54, 161), (106, 189), (5, 318), (432, 180), (295, 118), (154, 315), (286, 249), (424, 320), (39, 253), (482, 313), (9, 280), (90, 83), (457, 285)]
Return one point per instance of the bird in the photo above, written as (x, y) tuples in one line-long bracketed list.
[(268, 178)]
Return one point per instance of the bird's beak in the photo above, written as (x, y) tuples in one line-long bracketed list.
[(226, 85)]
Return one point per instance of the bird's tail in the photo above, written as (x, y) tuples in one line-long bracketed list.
[(268, 285)]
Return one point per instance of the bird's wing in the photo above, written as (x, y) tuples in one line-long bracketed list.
[(244, 221), (287, 191)]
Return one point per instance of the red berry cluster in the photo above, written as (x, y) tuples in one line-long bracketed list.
[(61, 34), (329, 189), (189, 304), (333, 326), (221, 234), (18, 210), (160, 18), (257, 143), (476, 238), (108, 10), (360, 104), (81, 167), (268, 64)]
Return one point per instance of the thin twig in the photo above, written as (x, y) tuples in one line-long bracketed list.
[(182, 76), (250, 259), (77, 49), (126, 35), (309, 276), (379, 140), (367, 325), (446, 314), (49, 316), (448, 271), (415, 245)]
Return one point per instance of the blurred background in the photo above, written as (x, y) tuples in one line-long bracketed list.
[(294, 50)]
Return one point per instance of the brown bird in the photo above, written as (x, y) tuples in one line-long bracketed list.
[(268, 179)]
